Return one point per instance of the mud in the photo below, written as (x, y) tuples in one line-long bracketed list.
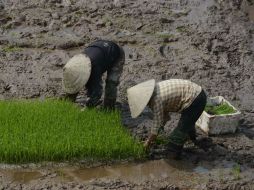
[(249, 9), (209, 42), (163, 173)]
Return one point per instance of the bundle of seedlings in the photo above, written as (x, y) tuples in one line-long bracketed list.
[(54, 130), (219, 109)]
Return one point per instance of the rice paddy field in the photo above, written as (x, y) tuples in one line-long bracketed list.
[(205, 41), (54, 130)]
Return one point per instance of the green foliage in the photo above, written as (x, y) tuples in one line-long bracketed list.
[(54, 130), (14, 34), (161, 140), (11, 49), (236, 170), (182, 29), (164, 35), (223, 108), (221, 175)]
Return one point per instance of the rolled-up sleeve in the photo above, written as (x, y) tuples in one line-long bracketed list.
[(158, 112)]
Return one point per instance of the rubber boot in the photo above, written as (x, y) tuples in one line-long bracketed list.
[(203, 142), (174, 151)]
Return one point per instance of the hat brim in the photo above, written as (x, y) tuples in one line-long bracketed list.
[(76, 73), (139, 96)]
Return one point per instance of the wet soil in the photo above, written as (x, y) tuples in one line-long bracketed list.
[(209, 42), (154, 174)]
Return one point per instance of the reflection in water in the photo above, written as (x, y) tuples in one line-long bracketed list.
[(150, 170), (201, 169), (249, 10), (25, 177), (171, 170), (135, 172)]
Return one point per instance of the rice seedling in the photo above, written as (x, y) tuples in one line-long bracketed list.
[(182, 29), (161, 140), (236, 170), (54, 130), (220, 109), (164, 35), (9, 49)]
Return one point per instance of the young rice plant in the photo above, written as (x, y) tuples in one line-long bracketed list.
[(223, 108), (54, 130)]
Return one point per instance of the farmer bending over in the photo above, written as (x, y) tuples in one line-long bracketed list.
[(175, 95), (86, 70)]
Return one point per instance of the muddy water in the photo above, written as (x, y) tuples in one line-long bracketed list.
[(249, 10), (172, 171), (133, 172), (151, 170), (25, 177), (198, 13), (209, 44)]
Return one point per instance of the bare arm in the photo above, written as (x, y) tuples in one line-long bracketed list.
[(158, 119)]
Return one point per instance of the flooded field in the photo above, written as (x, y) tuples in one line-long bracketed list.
[(209, 42), (178, 173)]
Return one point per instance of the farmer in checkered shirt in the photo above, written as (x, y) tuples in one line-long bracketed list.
[(175, 95)]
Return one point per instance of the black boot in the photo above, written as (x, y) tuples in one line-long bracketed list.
[(203, 143), (199, 142), (192, 135), (174, 151)]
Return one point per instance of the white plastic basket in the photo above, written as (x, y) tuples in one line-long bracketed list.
[(218, 124)]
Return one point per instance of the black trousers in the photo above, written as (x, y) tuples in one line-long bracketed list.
[(186, 125), (94, 85)]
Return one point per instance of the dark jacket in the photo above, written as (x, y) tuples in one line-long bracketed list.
[(104, 56)]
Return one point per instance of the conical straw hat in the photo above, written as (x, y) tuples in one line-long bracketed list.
[(139, 96), (76, 73)]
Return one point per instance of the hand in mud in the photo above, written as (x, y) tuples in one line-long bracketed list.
[(146, 144), (83, 109), (69, 97), (93, 102), (149, 141)]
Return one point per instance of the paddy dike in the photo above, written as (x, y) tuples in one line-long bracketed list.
[(209, 42)]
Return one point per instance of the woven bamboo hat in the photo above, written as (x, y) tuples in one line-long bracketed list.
[(139, 96), (76, 73)]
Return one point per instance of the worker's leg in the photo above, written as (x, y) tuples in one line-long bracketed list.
[(112, 81), (186, 125), (94, 87), (94, 94)]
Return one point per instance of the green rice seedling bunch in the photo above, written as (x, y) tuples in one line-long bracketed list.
[(220, 109), (54, 130), (161, 140), (236, 170)]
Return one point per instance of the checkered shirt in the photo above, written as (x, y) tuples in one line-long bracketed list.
[(171, 96)]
